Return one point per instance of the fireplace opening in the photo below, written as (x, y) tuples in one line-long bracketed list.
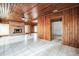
[(17, 31)]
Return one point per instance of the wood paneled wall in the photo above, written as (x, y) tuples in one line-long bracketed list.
[(70, 21), (44, 27), (47, 27), (41, 27)]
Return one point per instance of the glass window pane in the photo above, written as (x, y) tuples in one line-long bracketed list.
[(4, 29)]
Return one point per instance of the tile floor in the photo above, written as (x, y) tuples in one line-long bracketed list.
[(35, 48)]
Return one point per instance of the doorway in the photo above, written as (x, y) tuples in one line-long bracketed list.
[(56, 29)]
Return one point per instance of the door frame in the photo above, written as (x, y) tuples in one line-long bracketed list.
[(54, 20)]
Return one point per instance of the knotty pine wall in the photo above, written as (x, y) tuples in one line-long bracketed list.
[(70, 23), (44, 27), (47, 27), (41, 27)]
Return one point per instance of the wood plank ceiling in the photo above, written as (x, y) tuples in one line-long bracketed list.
[(19, 9)]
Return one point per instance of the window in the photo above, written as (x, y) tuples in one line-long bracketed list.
[(26, 28), (35, 28), (4, 29)]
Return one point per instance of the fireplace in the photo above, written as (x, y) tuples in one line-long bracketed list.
[(17, 31)]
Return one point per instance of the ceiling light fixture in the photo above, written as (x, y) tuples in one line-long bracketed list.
[(57, 10), (54, 11), (25, 17)]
